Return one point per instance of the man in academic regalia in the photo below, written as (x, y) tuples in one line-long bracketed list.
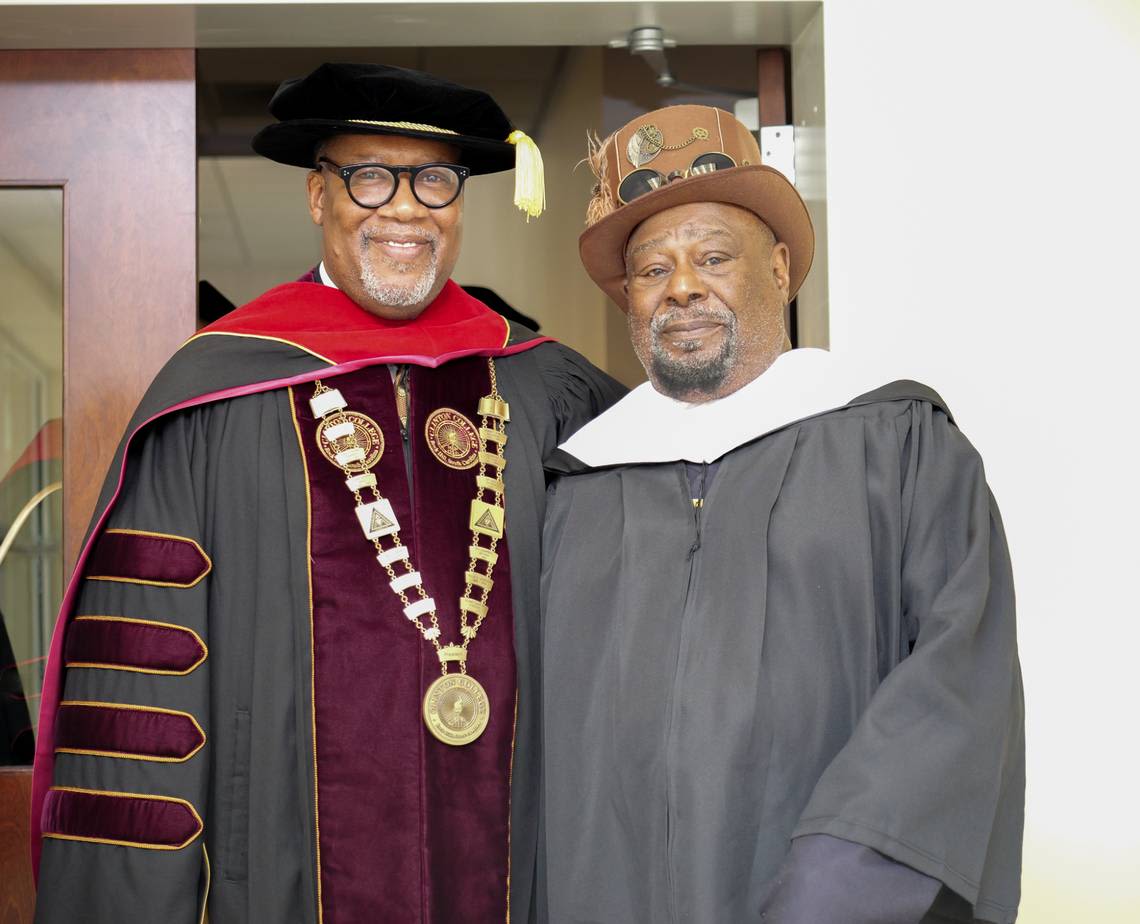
[(292, 677), (780, 668)]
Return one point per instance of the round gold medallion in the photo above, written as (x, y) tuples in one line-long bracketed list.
[(456, 709), (452, 438), (365, 434)]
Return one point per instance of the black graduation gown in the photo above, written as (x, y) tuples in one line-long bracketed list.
[(825, 647)]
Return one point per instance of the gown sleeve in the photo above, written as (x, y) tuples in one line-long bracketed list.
[(824, 878), (123, 821), (578, 390), (933, 776)]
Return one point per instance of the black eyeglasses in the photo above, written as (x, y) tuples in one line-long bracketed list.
[(373, 185), (645, 180)]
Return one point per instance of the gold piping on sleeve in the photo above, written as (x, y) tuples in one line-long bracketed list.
[(127, 795), (510, 781), (130, 755), (142, 670), (226, 333), (312, 651), (143, 532), (204, 918)]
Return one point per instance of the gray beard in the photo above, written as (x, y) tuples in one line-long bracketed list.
[(683, 377), (397, 295)]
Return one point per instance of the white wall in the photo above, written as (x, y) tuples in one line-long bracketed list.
[(809, 112), (31, 393), (254, 229), (982, 200), (31, 310)]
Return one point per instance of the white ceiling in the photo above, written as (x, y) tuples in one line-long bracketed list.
[(392, 24)]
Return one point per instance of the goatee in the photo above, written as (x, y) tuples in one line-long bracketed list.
[(687, 376), (396, 294)]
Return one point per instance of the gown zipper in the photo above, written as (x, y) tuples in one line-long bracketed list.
[(697, 499), (698, 505)]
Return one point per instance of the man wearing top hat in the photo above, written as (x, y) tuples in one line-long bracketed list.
[(292, 678), (780, 667)]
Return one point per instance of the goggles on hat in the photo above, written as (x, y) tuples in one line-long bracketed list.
[(645, 180), (373, 185)]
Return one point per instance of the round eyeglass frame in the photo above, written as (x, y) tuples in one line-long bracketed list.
[(346, 171), (655, 179)]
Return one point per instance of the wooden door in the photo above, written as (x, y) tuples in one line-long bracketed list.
[(115, 131)]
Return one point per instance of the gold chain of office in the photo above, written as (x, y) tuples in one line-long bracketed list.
[(456, 709)]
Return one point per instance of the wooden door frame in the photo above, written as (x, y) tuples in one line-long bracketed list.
[(116, 131)]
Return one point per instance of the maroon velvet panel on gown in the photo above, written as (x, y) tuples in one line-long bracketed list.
[(133, 731), (411, 829), (121, 818), (119, 556), (108, 641)]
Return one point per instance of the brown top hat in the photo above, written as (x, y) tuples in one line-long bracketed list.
[(675, 156)]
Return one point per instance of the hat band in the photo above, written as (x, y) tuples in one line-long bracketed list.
[(412, 126)]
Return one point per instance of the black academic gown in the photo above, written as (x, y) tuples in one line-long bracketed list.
[(213, 458), (825, 646)]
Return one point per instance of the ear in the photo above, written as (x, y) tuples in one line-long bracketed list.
[(316, 193), (781, 268)]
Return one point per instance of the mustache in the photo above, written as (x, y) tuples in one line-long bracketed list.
[(708, 313)]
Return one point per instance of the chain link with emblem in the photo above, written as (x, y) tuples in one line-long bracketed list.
[(456, 709)]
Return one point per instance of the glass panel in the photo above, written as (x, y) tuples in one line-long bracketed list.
[(31, 463)]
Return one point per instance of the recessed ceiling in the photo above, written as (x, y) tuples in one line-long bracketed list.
[(393, 23)]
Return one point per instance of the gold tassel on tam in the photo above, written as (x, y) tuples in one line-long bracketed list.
[(530, 183)]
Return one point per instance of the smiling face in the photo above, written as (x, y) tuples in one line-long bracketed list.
[(706, 285), (392, 260)]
